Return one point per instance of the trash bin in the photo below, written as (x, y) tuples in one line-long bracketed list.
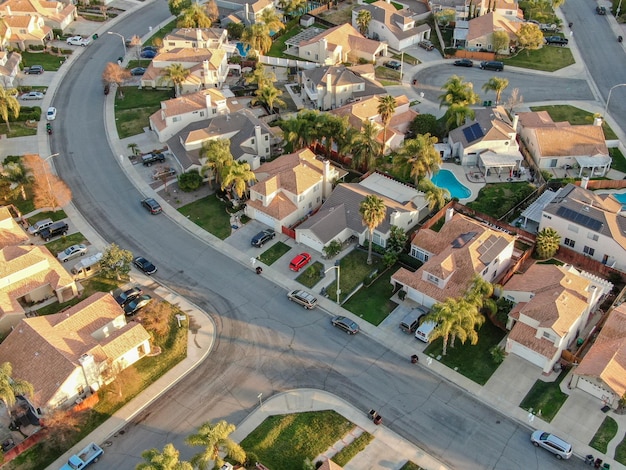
[(95, 36), (589, 459), (378, 420), (414, 359)]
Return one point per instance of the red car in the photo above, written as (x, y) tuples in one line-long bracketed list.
[(299, 262)]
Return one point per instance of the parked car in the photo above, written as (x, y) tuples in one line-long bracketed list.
[(549, 28), (164, 171), (34, 70), (262, 237), (51, 114), (464, 63), (39, 226), (72, 252), (137, 304), (393, 64), (424, 330), (303, 298), (54, 230), (149, 48), (601, 10), (32, 95), (137, 71), (560, 448), (123, 297), (150, 158), (492, 65), (425, 44), (558, 40), (299, 262), (151, 205), (78, 41), (107, 88), (146, 266), (148, 54), (345, 324)]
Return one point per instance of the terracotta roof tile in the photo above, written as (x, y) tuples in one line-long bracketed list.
[(10, 231), (526, 336)]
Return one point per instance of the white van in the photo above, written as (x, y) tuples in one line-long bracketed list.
[(424, 330), (87, 267)]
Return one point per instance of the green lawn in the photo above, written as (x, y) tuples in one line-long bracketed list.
[(353, 449), (273, 254), (498, 199), (210, 214), (473, 362), (411, 466), (353, 271), (311, 275), (605, 433), (132, 112), (62, 243), (372, 303), (161, 33), (283, 442), (575, 116), (619, 162), (278, 46), (18, 129), (620, 452), (545, 398), (58, 215), (50, 63), (548, 58), (385, 73)]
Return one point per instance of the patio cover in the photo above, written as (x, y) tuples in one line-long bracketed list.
[(533, 212), (496, 160), (603, 162)]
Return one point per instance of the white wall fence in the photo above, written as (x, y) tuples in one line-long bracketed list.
[(280, 62)]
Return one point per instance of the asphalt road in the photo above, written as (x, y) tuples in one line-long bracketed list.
[(265, 344)]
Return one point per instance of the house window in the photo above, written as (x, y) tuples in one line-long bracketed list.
[(593, 236), (547, 335), (267, 137), (318, 200), (572, 228), (485, 271), (433, 279), (569, 242), (310, 205), (589, 251), (176, 118), (419, 254), (495, 261), (308, 53), (201, 113), (252, 142), (316, 187), (301, 198), (214, 111), (549, 217)]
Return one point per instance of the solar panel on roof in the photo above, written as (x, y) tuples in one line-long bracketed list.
[(580, 219), (461, 240), (473, 132)]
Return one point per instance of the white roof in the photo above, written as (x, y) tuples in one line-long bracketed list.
[(533, 212)]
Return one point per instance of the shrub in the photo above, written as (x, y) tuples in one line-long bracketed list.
[(332, 249), (27, 113), (54, 49), (36, 47), (497, 354), (189, 181)]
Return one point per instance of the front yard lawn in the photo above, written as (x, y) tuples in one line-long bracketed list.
[(619, 162), (372, 303), (575, 116), (57, 215), (498, 199), (353, 271), (18, 129), (273, 254), (132, 111), (474, 362), (283, 442), (620, 452), (545, 398), (385, 73), (162, 32), (605, 433), (311, 275), (49, 62), (62, 243), (210, 214), (548, 58)]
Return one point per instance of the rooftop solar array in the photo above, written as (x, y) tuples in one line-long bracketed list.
[(462, 239), (473, 132), (580, 219)]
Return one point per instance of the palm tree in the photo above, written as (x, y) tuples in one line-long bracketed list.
[(445, 315), (457, 114), (547, 243), (10, 387), (236, 177), (367, 147), (457, 91), (435, 196), (8, 106), (257, 36), (270, 18), (260, 76), (497, 85), (269, 95), (291, 6), (479, 291), (331, 129), (469, 319), (373, 211), (363, 20), (386, 108), (418, 157), (218, 157), (175, 73), (17, 174), (214, 438), (347, 141), (195, 16), (166, 460)]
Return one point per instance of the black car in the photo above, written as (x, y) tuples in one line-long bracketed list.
[(123, 297), (463, 63), (152, 206), (601, 10), (148, 54), (54, 230), (345, 324), (137, 71), (393, 64), (136, 304), (145, 265), (35, 70), (561, 41), (150, 158), (262, 237)]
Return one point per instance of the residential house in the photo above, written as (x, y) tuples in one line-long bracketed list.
[(398, 28), (338, 45), (562, 145), (247, 12), (195, 38), (30, 275), (177, 113), (602, 370), (333, 86), (588, 223), (69, 355), (290, 188), (27, 31), (488, 142), (552, 306), (56, 15), (5, 34), (9, 67), (11, 233), (339, 219), (461, 249), (366, 109), (251, 139), (464, 9), (479, 33)]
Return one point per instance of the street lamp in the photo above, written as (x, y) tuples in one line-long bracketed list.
[(123, 40), (338, 268), (47, 174), (606, 107)]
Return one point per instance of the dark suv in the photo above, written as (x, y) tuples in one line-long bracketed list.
[(152, 206), (54, 230), (557, 40), (262, 237), (151, 158)]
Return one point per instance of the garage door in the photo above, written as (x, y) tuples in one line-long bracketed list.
[(594, 389), (265, 219), (303, 237), (528, 354)]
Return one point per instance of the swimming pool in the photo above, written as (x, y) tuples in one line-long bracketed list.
[(243, 52), (621, 197), (446, 179)]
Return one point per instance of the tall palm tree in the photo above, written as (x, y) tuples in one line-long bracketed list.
[(497, 85), (435, 196), (17, 174), (10, 387), (196, 16), (291, 6), (270, 18), (469, 319), (457, 114), (218, 157), (373, 211), (260, 76), (177, 74), (547, 243), (386, 108), (269, 95), (445, 315), (236, 177), (331, 129), (215, 440), (479, 291), (166, 460), (347, 141), (257, 36), (367, 147), (363, 20), (418, 157), (457, 91), (8, 106)]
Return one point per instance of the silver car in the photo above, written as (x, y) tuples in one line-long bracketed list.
[(33, 95), (72, 252), (303, 298), (39, 226), (552, 443)]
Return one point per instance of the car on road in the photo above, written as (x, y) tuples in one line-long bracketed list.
[(464, 63), (263, 237), (560, 448), (146, 266), (425, 44), (303, 298), (137, 71), (32, 95), (601, 10), (393, 64), (137, 304), (299, 262), (35, 70), (72, 252), (558, 40), (151, 205), (150, 158), (345, 324), (78, 41), (148, 54), (51, 114), (494, 65), (163, 172), (122, 297)]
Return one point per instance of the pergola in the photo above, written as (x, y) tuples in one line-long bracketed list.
[(598, 162), (491, 161)]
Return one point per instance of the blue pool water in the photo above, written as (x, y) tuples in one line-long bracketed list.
[(243, 52), (446, 179), (621, 197)]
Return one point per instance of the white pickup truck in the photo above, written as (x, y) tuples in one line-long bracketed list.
[(78, 41), (89, 454)]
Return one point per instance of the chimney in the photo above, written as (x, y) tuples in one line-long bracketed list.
[(327, 184), (323, 47), (597, 121), (584, 182), (207, 97), (199, 37), (449, 214), (515, 122), (329, 80), (257, 136), (247, 9), (205, 71)]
